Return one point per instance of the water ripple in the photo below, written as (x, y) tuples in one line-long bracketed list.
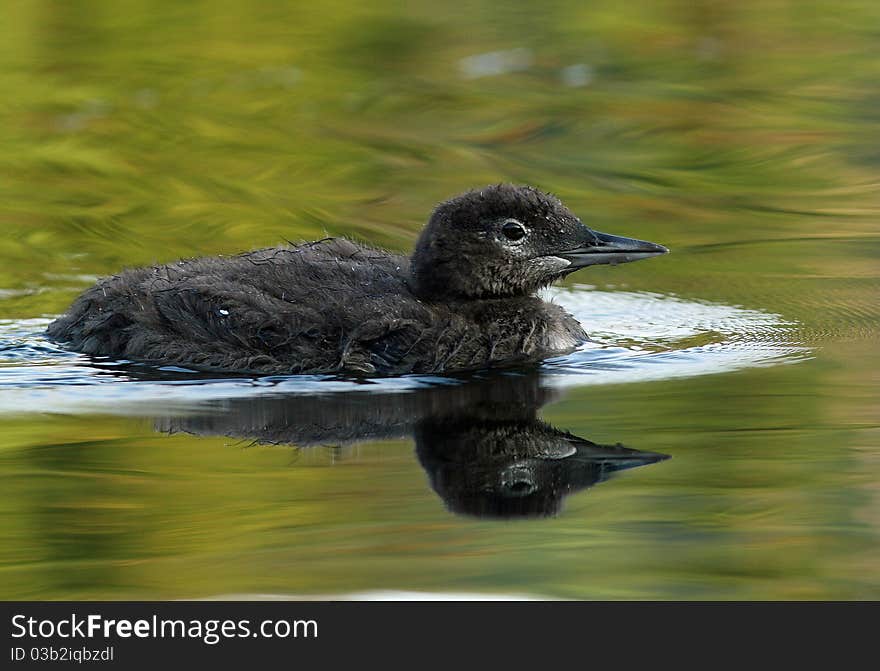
[(636, 337)]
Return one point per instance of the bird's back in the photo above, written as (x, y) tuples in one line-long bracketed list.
[(290, 309)]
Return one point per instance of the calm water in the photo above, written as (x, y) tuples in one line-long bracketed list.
[(718, 439)]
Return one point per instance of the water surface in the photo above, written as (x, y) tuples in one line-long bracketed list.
[(717, 439)]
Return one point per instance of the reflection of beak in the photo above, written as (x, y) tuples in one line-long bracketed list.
[(615, 457), (610, 249)]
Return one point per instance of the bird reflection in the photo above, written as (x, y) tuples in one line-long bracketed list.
[(481, 443)]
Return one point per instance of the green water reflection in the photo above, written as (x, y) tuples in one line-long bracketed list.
[(742, 135)]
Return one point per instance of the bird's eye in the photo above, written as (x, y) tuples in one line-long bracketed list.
[(513, 230)]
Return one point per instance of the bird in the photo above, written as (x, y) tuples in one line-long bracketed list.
[(465, 299)]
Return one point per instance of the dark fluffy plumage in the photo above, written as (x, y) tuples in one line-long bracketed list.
[(465, 301)]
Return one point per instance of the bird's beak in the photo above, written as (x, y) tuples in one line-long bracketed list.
[(610, 249)]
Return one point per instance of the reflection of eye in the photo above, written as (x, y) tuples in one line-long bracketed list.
[(521, 487), (513, 230)]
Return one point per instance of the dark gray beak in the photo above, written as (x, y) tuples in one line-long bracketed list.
[(610, 249)]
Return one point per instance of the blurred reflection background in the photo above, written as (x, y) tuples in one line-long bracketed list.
[(745, 136)]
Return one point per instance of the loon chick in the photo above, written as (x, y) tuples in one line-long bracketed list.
[(464, 300)]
